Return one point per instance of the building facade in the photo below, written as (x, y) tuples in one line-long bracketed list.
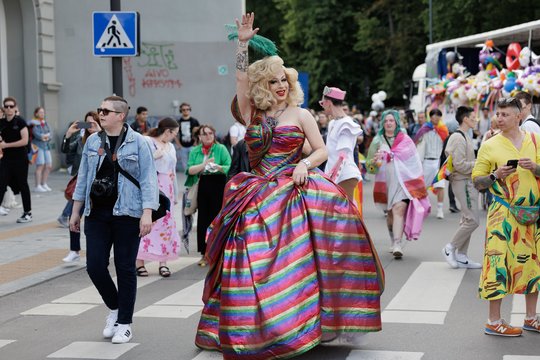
[(46, 59)]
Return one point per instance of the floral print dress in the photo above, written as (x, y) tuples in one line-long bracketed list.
[(511, 264), (161, 244)]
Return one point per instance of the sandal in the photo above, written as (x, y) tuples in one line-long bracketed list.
[(142, 272), (164, 271)]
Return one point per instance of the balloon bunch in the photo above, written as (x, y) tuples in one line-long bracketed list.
[(454, 67), (377, 100), (522, 72)]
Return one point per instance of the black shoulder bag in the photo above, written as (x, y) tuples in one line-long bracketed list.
[(164, 202)]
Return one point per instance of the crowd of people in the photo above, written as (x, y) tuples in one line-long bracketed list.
[(290, 262)]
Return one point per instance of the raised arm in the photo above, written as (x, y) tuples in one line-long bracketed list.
[(245, 33)]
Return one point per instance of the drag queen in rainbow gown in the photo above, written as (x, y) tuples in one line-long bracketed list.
[(290, 261)]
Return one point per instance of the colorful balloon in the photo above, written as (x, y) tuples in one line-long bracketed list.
[(512, 56)]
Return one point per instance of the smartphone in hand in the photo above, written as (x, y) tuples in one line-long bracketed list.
[(513, 163), (84, 125)]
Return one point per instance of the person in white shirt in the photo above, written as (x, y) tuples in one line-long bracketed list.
[(343, 133), (430, 140), (236, 132), (528, 122)]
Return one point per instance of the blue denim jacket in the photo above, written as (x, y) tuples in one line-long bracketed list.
[(135, 157), (37, 133)]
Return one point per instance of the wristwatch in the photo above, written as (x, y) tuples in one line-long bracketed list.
[(493, 177)]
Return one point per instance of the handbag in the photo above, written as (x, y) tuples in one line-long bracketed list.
[(525, 215), (191, 200), (417, 211), (70, 188)]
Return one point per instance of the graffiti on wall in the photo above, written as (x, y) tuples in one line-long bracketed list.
[(154, 69)]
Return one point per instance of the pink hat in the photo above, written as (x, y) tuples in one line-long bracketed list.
[(334, 93)]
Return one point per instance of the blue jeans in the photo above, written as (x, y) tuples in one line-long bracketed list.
[(103, 231), (75, 237), (67, 209), (184, 157)]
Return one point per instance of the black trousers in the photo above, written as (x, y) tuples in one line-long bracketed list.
[(209, 200), (14, 173), (103, 231)]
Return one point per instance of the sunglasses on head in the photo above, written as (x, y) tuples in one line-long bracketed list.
[(511, 101), (107, 111)]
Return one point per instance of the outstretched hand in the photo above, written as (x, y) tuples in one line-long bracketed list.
[(245, 27)]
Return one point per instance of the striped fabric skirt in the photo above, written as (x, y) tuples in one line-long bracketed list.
[(287, 263)]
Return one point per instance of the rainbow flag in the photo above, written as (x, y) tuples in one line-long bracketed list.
[(443, 173)]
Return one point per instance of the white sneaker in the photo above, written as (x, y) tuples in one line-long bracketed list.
[(3, 211), (464, 262), (440, 214), (39, 189), (449, 254), (25, 218), (72, 257), (123, 334), (46, 187), (397, 251), (110, 324)]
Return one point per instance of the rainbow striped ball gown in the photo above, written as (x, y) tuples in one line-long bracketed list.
[(287, 262)]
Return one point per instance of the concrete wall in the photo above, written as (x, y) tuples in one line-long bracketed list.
[(185, 56)]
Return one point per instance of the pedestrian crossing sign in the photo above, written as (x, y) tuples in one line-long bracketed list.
[(116, 33)]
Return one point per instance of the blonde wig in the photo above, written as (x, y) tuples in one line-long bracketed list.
[(261, 72)]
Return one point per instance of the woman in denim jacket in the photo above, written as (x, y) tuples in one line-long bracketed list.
[(41, 137), (117, 212)]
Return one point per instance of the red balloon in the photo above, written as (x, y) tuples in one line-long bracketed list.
[(512, 56)]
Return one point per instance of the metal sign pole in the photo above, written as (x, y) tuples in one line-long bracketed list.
[(118, 86)]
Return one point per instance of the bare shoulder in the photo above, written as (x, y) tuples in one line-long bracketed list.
[(304, 114)]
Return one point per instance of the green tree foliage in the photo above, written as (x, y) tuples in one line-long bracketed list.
[(364, 46)]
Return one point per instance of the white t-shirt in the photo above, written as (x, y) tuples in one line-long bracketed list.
[(341, 138), (237, 130), (530, 125)]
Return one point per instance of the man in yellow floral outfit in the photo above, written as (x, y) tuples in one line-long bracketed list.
[(507, 165)]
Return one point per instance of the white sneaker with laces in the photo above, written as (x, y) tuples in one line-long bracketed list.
[(46, 187), (39, 189), (449, 254), (3, 211), (440, 214), (110, 324), (72, 257), (123, 334), (464, 262)]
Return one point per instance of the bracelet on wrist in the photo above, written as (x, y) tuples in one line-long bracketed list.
[(243, 44), (307, 163)]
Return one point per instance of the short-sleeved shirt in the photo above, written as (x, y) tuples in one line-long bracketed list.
[(11, 132), (237, 130), (185, 134)]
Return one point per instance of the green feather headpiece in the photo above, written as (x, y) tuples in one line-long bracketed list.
[(258, 43)]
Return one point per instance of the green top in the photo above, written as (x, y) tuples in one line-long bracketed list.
[(221, 157)]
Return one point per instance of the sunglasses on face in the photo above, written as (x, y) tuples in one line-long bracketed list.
[(185, 109), (207, 134), (9, 106), (107, 111), (511, 101)]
